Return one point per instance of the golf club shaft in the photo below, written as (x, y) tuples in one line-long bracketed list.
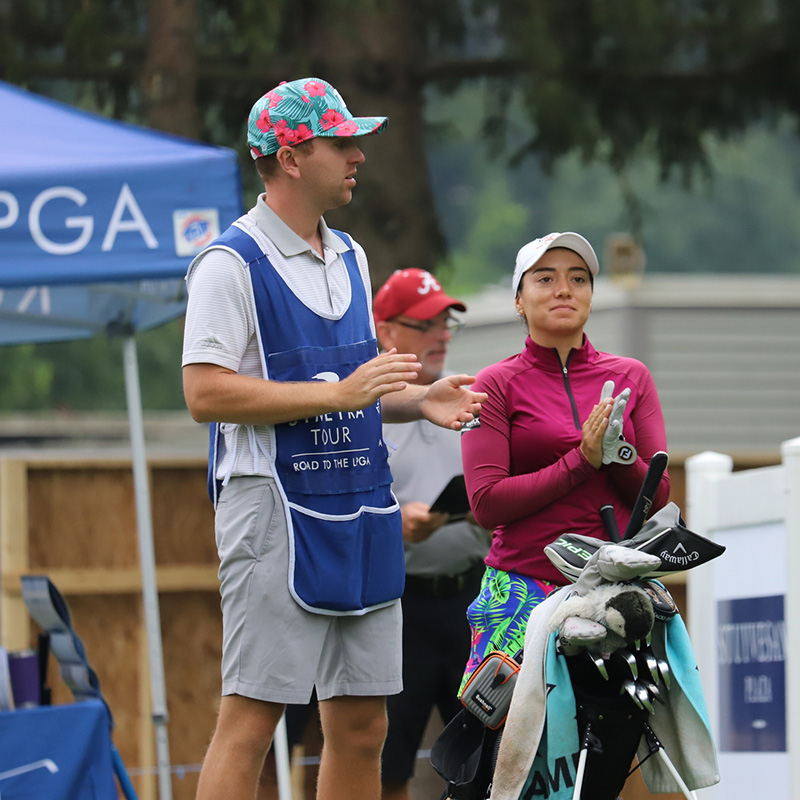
[(655, 471)]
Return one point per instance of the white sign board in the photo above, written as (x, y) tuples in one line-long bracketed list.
[(740, 611)]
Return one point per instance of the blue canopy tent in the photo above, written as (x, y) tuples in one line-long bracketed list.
[(98, 222)]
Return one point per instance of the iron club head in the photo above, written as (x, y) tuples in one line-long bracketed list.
[(652, 666), (663, 668), (630, 658), (600, 663), (644, 697), (630, 688)]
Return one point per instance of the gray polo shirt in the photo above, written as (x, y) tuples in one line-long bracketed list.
[(220, 324)]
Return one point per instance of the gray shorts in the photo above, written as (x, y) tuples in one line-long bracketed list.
[(272, 649)]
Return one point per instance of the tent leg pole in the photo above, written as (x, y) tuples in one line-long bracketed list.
[(148, 567)]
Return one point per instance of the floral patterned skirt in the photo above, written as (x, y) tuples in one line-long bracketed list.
[(499, 614)]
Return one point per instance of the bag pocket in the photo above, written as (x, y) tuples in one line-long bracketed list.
[(347, 564)]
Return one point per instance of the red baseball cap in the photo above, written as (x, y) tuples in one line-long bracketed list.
[(412, 292)]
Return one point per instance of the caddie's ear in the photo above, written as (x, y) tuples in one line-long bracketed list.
[(287, 160)]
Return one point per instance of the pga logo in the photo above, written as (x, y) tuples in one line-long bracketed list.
[(194, 229), (127, 216)]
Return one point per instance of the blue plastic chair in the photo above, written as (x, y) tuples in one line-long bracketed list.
[(48, 607)]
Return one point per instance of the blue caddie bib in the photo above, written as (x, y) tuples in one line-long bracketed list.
[(346, 549)]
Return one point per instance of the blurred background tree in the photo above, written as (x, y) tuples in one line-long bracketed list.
[(675, 120)]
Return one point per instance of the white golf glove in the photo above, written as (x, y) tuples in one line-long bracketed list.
[(615, 448)]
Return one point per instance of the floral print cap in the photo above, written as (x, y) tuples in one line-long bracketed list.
[(300, 110)]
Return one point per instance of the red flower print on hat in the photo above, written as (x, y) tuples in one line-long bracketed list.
[(273, 97), (315, 89), (263, 122), (331, 118), (347, 128), (291, 136)]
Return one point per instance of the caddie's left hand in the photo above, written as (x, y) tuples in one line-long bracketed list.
[(450, 403), (615, 448)]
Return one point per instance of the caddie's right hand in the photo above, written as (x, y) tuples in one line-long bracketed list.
[(387, 373)]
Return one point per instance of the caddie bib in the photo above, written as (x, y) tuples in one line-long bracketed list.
[(346, 550)]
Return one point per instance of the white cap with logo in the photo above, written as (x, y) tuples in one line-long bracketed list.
[(530, 253)]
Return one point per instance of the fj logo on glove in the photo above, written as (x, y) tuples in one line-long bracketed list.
[(625, 453)]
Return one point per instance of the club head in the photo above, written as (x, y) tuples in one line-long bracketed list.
[(644, 697), (633, 665), (630, 688), (663, 668), (655, 692), (600, 663), (652, 666)]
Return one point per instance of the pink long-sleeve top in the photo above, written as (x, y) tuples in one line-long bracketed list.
[(526, 477)]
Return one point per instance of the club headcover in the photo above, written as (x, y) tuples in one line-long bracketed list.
[(664, 536)]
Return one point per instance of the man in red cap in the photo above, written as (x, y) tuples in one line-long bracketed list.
[(444, 552)]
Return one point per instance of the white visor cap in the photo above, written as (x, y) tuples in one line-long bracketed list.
[(530, 253)]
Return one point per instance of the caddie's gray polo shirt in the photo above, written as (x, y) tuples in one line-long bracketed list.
[(220, 327)]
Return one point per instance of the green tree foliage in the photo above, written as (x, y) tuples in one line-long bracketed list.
[(87, 375), (509, 118), (744, 217), (605, 79), (605, 82), (742, 214)]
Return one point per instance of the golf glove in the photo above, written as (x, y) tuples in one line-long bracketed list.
[(615, 448)]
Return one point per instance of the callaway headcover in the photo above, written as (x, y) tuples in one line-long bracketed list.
[(664, 535)]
